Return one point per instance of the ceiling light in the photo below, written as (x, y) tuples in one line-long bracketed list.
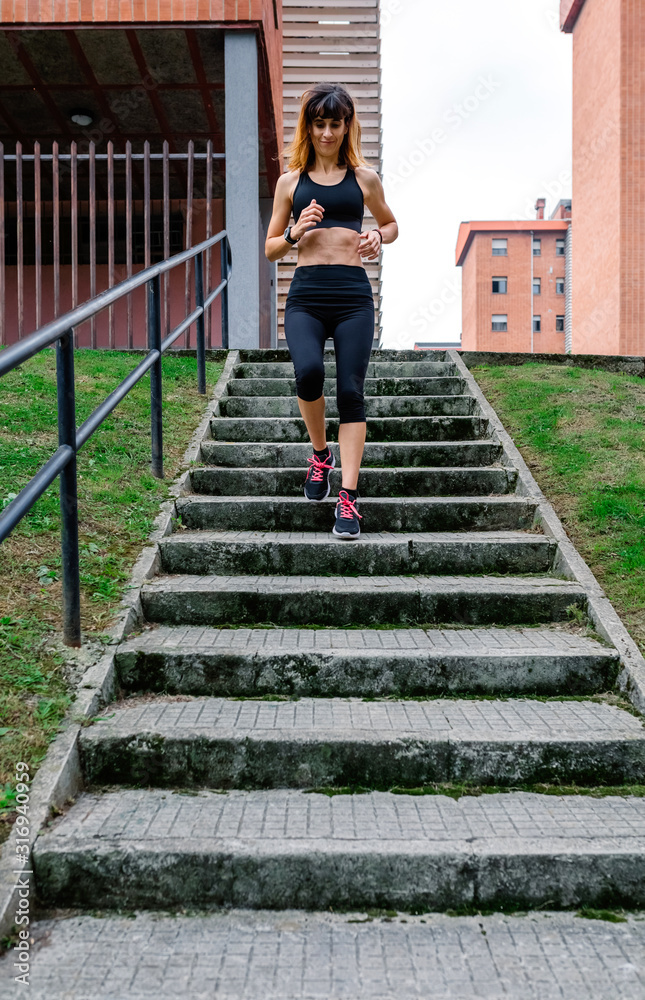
[(82, 117)]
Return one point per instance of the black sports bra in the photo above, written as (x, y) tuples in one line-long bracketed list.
[(343, 202)]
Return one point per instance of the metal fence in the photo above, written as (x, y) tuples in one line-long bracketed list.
[(60, 332), (74, 222)]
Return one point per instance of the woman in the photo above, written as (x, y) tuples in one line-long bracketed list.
[(326, 187)]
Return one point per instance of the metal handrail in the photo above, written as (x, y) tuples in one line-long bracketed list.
[(70, 439)]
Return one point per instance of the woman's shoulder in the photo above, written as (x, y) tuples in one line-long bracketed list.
[(287, 178), (368, 175), (287, 183)]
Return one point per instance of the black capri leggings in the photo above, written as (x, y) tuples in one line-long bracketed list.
[(331, 300)]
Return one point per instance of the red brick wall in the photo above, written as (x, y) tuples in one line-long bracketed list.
[(632, 181), (479, 302), (75, 11), (469, 302), (596, 193)]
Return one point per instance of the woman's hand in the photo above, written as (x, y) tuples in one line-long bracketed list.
[(309, 217), (371, 248)]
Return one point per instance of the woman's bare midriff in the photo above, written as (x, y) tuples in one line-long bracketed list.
[(329, 246)]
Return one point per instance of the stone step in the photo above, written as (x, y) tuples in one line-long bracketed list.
[(375, 369), (430, 386), (358, 600), (497, 513), (367, 662), (335, 742), (421, 429), (254, 355), (408, 455), (375, 406), (380, 553), (269, 955), (410, 482), (279, 849)]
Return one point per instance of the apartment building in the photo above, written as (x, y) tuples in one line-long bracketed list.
[(515, 282)]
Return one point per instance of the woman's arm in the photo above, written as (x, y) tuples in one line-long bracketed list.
[(374, 198), (275, 245)]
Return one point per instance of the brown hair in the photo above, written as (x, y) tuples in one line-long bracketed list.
[(325, 100)]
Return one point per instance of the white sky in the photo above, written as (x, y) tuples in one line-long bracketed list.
[(508, 66)]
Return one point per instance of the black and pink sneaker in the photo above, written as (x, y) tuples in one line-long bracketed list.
[(317, 482), (347, 516)]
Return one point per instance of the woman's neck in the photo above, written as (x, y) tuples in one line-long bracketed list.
[(325, 165)]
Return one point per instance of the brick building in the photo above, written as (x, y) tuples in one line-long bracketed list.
[(84, 86), (514, 287), (608, 259)]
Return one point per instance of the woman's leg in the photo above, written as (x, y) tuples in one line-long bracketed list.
[(353, 341), (313, 414), (306, 334)]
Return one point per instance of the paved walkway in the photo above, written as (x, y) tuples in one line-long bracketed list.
[(246, 955)]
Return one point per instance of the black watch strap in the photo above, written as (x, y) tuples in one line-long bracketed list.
[(287, 236)]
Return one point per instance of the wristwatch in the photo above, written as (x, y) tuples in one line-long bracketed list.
[(287, 236)]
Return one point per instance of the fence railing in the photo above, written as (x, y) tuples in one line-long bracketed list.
[(70, 438), (75, 220)]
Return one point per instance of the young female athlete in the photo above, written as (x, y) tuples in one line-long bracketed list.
[(326, 185)]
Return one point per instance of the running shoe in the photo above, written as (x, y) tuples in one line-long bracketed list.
[(317, 482), (347, 517)]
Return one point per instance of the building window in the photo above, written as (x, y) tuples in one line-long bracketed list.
[(537, 247), (500, 248), (500, 286), (559, 324), (559, 247), (500, 322), (559, 286), (537, 286), (537, 324)]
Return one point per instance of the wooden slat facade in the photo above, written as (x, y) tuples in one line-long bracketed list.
[(349, 52)]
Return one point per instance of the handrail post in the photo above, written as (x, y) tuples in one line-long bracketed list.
[(68, 490), (201, 340), (154, 344), (224, 293)]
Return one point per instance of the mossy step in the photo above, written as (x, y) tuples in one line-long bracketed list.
[(271, 513), (358, 600), (419, 429), (380, 553), (392, 482), (221, 743), (366, 662), (285, 849)]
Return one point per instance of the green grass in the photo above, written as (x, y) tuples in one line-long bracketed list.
[(458, 790), (582, 434), (118, 502)]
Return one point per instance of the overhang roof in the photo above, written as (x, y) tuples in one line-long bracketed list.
[(468, 230)]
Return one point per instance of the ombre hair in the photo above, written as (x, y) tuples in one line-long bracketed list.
[(325, 100)]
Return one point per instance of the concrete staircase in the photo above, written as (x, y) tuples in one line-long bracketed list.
[(281, 666)]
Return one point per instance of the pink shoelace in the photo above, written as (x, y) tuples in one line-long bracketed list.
[(347, 506), (316, 472)]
